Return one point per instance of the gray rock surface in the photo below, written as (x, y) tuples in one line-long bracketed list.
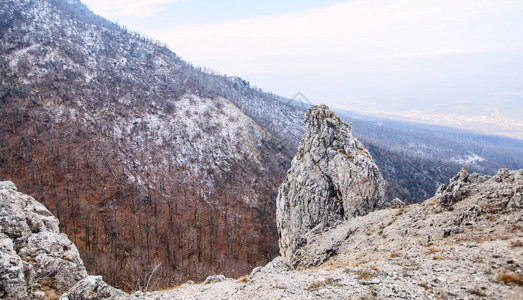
[(36, 261), (472, 249), (93, 288), (459, 187), (332, 178), (214, 279)]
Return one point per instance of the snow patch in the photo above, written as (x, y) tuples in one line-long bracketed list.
[(470, 159)]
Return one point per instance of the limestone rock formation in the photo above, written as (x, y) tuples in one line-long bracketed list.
[(93, 288), (332, 178), (459, 187), (36, 261)]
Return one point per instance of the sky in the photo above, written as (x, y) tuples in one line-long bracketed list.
[(449, 62)]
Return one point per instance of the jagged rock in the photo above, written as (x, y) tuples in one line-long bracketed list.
[(396, 203), (332, 178), (92, 288), (12, 278), (279, 264), (35, 257), (459, 187), (214, 279), (464, 184)]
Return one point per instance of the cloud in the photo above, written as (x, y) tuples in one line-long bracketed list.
[(127, 8), (350, 33), (388, 55)]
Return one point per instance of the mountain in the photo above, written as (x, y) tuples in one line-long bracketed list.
[(145, 159), (152, 164)]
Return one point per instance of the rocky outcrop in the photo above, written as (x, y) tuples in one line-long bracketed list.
[(93, 288), (471, 249), (459, 187), (332, 178), (36, 261)]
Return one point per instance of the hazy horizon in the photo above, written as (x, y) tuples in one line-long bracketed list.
[(452, 63)]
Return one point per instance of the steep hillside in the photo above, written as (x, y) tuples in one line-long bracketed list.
[(137, 153)]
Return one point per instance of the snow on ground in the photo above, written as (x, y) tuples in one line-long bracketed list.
[(468, 159)]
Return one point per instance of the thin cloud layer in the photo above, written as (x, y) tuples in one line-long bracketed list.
[(370, 29)]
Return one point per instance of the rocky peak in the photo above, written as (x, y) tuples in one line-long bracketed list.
[(459, 187), (332, 178)]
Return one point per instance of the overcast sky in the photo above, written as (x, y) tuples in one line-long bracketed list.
[(450, 62)]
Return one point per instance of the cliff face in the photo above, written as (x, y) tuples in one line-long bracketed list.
[(332, 178)]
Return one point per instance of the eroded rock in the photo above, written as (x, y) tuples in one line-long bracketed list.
[(92, 288), (35, 257), (332, 178)]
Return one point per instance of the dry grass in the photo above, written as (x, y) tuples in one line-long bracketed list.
[(28, 260), (494, 237), (365, 274), (425, 286), (49, 291), (516, 244), (477, 292), (478, 260), (394, 254), (515, 228), (432, 250), (51, 295), (398, 213), (511, 279), (438, 257), (373, 267), (320, 283)]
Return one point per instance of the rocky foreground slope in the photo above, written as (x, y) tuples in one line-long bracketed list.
[(470, 249)]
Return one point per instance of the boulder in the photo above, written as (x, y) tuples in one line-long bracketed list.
[(36, 260), (93, 288)]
